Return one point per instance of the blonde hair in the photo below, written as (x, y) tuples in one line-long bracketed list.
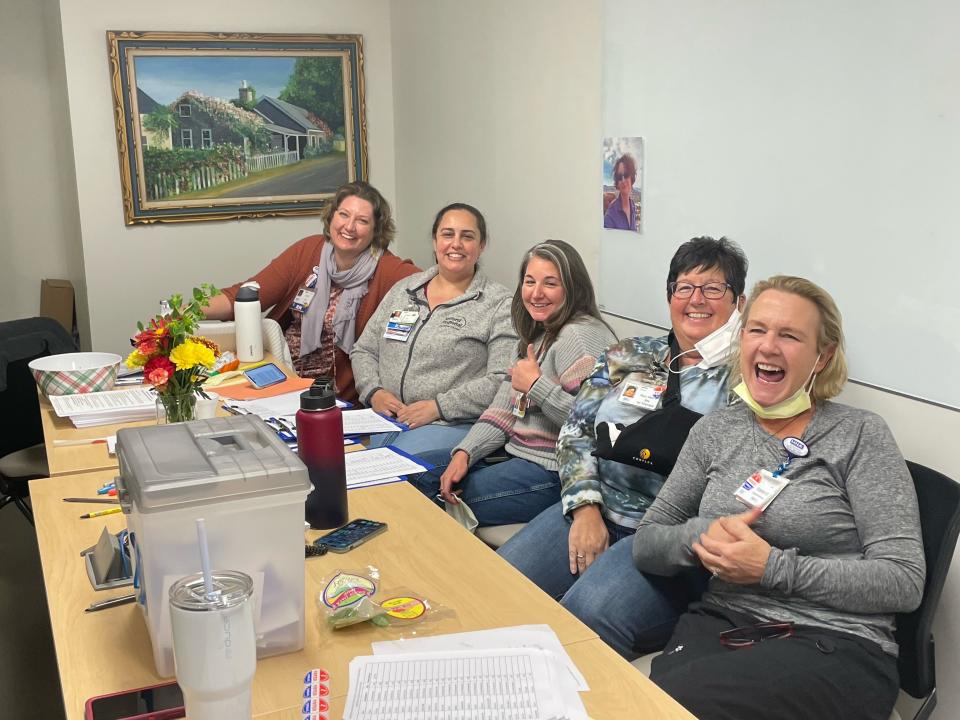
[(833, 377)]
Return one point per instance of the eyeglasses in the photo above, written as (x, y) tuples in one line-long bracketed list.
[(617, 177), (711, 291), (742, 637)]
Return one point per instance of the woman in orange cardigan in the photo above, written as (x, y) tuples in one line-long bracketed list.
[(324, 288)]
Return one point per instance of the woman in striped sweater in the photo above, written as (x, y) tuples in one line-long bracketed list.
[(561, 334)]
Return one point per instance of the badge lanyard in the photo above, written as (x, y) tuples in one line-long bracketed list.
[(795, 448), (519, 403)]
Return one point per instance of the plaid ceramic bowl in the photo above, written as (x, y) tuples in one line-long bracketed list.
[(72, 373)]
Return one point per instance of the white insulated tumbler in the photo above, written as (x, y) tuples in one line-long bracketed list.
[(214, 645), (248, 322)]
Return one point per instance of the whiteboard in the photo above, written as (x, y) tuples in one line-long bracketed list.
[(822, 136)]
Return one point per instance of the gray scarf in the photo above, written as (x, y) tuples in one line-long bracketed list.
[(354, 284)]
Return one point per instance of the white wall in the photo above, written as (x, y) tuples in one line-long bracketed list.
[(498, 104), (129, 269), (37, 215)]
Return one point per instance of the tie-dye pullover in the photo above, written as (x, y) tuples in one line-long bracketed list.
[(624, 492)]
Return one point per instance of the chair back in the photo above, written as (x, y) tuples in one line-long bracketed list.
[(20, 342), (939, 501)]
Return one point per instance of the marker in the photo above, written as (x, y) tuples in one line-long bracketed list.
[(98, 513), (92, 500), (112, 602)]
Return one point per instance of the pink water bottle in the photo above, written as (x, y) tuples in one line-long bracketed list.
[(320, 446)]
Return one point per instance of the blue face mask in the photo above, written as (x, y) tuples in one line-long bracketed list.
[(791, 407)]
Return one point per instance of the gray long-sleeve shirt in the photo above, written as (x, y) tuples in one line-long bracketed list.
[(846, 551)]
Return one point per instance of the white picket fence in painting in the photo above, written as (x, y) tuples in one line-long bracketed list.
[(256, 163), (166, 185)]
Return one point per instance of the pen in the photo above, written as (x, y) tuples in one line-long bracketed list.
[(112, 602), (98, 513), (109, 500), (90, 441)]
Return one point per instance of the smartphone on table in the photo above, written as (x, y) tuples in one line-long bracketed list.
[(265, 375), (156, 702), (355, 532)]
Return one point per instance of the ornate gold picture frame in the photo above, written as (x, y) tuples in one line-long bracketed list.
[(218, 126)]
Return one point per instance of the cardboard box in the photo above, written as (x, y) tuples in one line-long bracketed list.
[(56, 301)]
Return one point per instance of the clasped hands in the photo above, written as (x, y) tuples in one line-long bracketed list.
[(732, 551), (418, 414)]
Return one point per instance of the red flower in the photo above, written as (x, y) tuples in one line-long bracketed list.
[(156, 338), (158, 371)]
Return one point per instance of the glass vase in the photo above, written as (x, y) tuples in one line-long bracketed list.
[(176, 407)]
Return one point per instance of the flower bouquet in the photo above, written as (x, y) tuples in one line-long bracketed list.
[(174, 360)]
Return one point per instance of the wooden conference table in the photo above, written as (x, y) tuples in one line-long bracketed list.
[(424, 550)]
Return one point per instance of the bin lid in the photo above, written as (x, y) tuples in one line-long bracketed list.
[(198, 462)]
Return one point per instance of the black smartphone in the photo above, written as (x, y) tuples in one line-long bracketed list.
[(355, 532), (156, 702), (265, 375)]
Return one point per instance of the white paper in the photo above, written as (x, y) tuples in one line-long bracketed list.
[(283, 406), (366, 422), (520, 684), (541, 637), (109, 401), (378, 464)]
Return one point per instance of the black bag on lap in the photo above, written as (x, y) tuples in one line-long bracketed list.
[(653, 442)]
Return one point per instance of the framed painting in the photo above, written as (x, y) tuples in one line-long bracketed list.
[(217, 126)]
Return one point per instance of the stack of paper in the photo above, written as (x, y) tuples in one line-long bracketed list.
[(284, 407), (379, 467), (505, 684), (106, 408)]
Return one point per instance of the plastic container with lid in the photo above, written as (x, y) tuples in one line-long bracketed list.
[(249, 488)]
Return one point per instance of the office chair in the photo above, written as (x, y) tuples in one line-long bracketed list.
[(22, 455), (939, 500)]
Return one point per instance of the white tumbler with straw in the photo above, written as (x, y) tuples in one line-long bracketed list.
[(214, 644)]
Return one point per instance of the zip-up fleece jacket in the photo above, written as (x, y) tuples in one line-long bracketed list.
[(457, 354)]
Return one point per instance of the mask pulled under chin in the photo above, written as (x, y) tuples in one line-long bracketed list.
[(716, 347), (791, 407)]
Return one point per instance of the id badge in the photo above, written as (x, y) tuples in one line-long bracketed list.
[(303, 299), (400, 324), (519, 404), (760, 489), (641, 394)]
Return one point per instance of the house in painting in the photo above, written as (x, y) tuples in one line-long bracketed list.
[(145, 106), (292, 127), (206, 121)]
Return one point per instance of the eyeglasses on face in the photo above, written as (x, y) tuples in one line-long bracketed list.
[(617, 177), (742, 637), (711, 291)]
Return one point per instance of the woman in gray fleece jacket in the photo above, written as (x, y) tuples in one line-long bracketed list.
[(438, 346), (798, 619)]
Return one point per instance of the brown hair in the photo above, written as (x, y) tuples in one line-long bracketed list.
[(579, 296), (383, 226)]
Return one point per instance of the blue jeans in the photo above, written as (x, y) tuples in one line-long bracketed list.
[(513, 491), (633, 612), (424, 442)]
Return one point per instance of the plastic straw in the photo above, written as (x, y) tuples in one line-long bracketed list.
[(205, 557)]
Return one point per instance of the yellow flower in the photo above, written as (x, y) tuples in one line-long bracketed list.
[(190, 353), (135, 360)]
